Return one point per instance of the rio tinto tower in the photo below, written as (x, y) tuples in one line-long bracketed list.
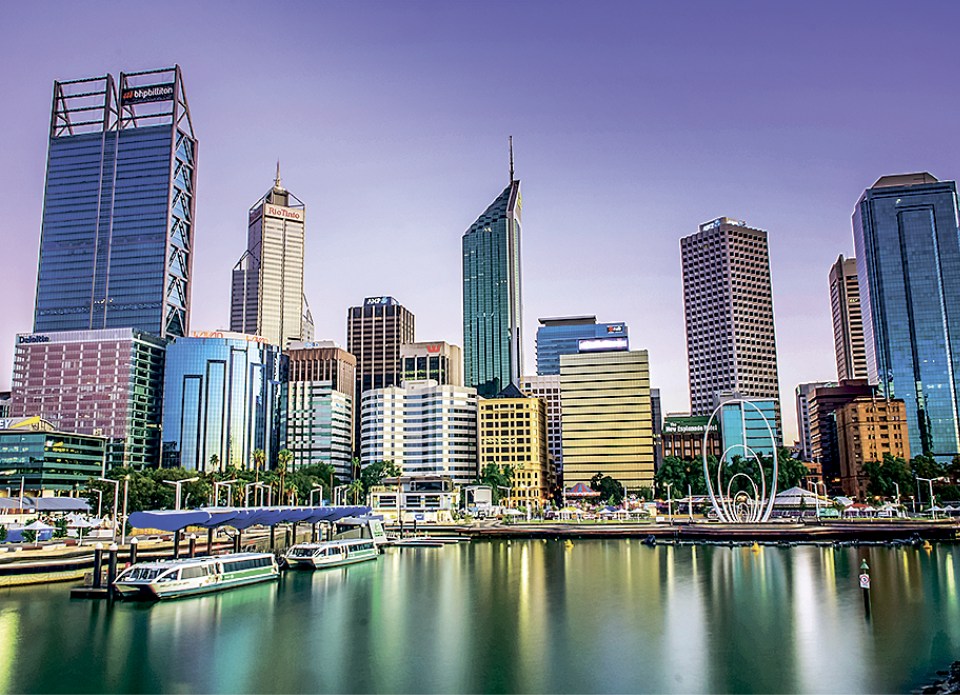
[(267, 292)]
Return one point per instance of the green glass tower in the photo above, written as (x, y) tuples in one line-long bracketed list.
[(492, 308)]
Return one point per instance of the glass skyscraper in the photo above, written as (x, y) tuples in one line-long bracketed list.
[(492, 308), (564, 336), (908, 262), (224, 394), (117, 232)]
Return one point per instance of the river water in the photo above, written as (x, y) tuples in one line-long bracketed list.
[(520, 616)]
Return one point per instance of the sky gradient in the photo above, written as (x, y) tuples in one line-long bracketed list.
[(632, 124)]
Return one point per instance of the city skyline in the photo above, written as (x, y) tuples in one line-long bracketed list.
[(617, 143)]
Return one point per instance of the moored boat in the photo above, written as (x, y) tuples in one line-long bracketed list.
[(332, 553), (165, 579)]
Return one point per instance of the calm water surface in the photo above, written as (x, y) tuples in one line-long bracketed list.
[(498, 616)]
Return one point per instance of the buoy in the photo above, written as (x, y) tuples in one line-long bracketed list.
[(568, 543), (755, 547), (927, 546)]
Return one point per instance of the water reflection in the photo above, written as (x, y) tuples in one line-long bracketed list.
[(538, 616)]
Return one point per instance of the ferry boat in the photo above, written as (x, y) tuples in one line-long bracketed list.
[(332, 553), (163, 579)]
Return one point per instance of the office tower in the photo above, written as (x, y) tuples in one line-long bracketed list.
[(847, 320), (438, 360), (656, 412), (908, 267), (320, 410), (562, 336), (728, 304), (868, 428), (746, 426), (547, 388), (116, 247), (45, 459), (267, 297), (823, 402), (5, 403), (682, 437), (375, 332), (607, 419), (224, 395), (803, 394), (492, 306), (107, 383), (425, 428), (512, 431)]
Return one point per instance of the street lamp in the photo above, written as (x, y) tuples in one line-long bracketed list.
[(669, 503), (126, 489), (816, 497), (246, 493), (933, 506), (897, 485), (216, 490), (99, 502), (178, 484), (116, 494), (313, 490)]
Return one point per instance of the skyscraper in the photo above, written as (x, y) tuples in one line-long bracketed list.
[(438, 360), (908, 265), (267, 293), (804, 392), (492, 307), (562, 336), (728, 304), (847, 320), (117, 235)]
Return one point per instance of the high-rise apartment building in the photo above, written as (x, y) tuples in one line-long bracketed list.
[(546, 387), (107, 383), (320, 412), (607, 419), (908, 265), (425, 428), (116, 247), (868, 428), (512, 431), (492, 306), (438, 360), (847, 320), (728, 306), (804, 426), (224, 396), (267, 296), (563, 336)]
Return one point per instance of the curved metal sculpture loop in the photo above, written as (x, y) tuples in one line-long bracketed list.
[(757, 508)]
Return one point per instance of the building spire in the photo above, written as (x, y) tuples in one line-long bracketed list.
[(511, 159), (276, 183)]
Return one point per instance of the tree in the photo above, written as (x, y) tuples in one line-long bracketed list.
[(790, 471), (29, 535), (499, 479), (884, 476), (258, 458), (682, 474), (356, 490), (214, 463), (374, 474), (3, 533), (284, 456), (610, 490), (61, 527)]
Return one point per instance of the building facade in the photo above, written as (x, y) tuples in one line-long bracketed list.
[(728, 307), (116, 247), (748, 427), (868, 428), (682, 437), (106, 383), (562, 336), (438, 360), (224, 398), (512, 430), (908, 264), (320, 413), (267, 296), (823, 404), (47, 459), (547, 389), (847, 320), (607, 418), (492, 304), (425, 428), (375, 332), (804, 392)]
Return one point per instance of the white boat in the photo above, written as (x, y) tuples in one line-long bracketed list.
[(163, 579), (332, 553)]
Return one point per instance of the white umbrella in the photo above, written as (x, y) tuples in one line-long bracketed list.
[(39, 526)]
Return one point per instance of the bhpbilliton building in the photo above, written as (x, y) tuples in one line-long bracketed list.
[(117, 234)]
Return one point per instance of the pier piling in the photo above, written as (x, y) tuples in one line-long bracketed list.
[(98, 566)]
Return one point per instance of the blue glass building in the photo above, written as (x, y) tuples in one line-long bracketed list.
[(908, 261), (492, 308), (563, 336), (224, 395), (117, 234), (746, 426)]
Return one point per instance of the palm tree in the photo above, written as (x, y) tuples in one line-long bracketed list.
[(284, 456), (356, 489)]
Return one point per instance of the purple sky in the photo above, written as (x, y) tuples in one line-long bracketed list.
[(632, 122)]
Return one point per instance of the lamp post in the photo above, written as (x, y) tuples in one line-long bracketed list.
[(897, 485), (116, 494), (216, 491), (246, 493), (179, 485), (816, 497), (313, 490), (123, 528), (933, 506), (99, 502), (669, 503)]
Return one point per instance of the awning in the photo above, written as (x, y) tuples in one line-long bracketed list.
[(239, 517)]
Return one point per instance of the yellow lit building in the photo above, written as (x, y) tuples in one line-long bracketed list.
[(513, 431), (868, 428), (607, 417)]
